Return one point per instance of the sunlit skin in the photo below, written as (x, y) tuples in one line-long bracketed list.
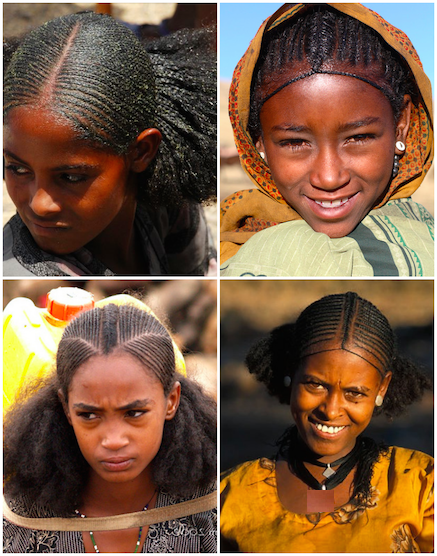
[(71, 194), (331, 138), (117, 408), (337, 389)]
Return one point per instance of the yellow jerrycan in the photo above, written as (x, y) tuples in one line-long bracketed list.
[(31, 335)]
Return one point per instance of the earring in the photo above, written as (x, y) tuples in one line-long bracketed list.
[(287, 381), (400, 146), (262, 155), (395, 170), (379, 400)]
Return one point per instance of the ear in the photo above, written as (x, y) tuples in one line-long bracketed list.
[(173, 400), (144, 149), (64, 405), (260, 145), (403, 124), (384, 384)]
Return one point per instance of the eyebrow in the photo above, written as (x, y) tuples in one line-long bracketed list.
[(344, 127), (132, 405), (363, 389), (63, 168)]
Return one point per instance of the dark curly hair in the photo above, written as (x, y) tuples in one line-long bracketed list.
[(41, 455), (324, 37), (340, 321), (95, 73)]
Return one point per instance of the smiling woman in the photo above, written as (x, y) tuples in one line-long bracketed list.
[(106, 166), (329, 488), (115, 430), (332, 118)]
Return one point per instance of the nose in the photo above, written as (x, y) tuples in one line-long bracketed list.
[(329, 171), (331, 407), (114, 438), (42, 201)]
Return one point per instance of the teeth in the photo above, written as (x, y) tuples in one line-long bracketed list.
[(329, 430), (333, 204)]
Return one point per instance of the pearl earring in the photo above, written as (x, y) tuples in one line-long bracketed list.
[(379, 400), (287, 381)]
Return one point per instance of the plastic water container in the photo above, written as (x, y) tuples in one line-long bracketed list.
[(31, 335)]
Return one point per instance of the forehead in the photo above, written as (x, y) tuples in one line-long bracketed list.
[(117, 376), (340, 366), (326, 101), (34, 131)]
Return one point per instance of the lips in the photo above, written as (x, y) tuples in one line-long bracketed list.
[(117, 464), (333, 210), (46, 229)]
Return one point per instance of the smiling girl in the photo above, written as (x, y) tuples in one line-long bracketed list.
[(109, 150), (116, 430), (330, 489), (332, 119)]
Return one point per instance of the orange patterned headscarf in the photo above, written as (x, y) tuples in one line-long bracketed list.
[(246, 212)]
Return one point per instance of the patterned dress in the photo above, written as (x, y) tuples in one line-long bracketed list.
[(193, 533)]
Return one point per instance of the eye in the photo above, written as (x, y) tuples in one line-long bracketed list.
[(17, 170), (135, 413), (361, 138), (314, 386), (87, 416), (73, 178), (293, 144), (355, 395)]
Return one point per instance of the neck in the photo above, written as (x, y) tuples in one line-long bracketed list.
[(102, 498), (116, 246)]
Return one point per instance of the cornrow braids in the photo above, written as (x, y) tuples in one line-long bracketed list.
[(92, 71), (41, 456), (124, 327), (340, 321), (324, 40)]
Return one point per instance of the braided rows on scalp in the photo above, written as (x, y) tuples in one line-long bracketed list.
[(321, 37), (93, 71), (345, 320), (41, 454)]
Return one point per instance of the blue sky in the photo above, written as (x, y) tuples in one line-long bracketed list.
[(239, 23)]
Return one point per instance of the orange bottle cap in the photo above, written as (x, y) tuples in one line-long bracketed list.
[(66, 303)]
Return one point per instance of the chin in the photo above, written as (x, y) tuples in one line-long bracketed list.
[(333, 231)]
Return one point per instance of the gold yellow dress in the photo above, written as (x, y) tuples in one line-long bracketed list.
[(397, 517)]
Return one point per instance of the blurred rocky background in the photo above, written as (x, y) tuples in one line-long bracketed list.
[(251, 420)]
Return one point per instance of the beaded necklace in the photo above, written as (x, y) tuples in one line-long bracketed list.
[(146, 507)]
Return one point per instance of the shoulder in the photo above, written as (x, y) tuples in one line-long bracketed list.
[(191, 533), (295, 249), (245, 476), (404, 460), (18, 539), (11, 266), (186, 238), (406, 472)]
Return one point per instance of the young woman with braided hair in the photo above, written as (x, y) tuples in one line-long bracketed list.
[(332, 119), (330, 489), (117, 429), (110, 149)]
